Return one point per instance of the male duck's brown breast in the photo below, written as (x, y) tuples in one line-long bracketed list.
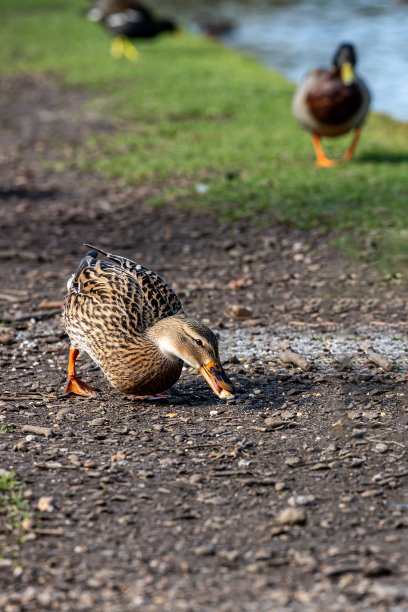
[(332, 102)]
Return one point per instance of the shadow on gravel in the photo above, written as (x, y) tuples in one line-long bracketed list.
[(28, 194)]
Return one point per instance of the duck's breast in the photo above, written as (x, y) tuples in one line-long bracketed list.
[(325, 106)]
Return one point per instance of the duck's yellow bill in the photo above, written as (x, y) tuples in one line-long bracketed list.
[(347, 73), (217, 379)]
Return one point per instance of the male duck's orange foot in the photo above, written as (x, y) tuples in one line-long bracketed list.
[(79, 387), (159, 396), (350, 151), (322, 161), (325, 162)]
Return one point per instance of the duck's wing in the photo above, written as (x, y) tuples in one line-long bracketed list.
[(160, 299), (102, 293)]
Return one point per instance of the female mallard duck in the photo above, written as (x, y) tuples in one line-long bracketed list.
[(128, 19), (132, 324), (333, 102)]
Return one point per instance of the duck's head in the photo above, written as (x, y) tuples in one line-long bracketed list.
[(345, 59), (179, 337)]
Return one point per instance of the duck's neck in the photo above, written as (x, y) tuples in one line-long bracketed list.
[(162, 334)]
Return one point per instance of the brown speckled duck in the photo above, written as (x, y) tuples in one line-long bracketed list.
[(132, 324), (329, 103)]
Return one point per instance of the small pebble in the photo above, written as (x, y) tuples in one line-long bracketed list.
[(241, 312), (44, 504), (273, 423), (375, 568), (358, 433), (27, 524), (97, 421), (301, 500), (292, 516), (293, 461), (380, 448)]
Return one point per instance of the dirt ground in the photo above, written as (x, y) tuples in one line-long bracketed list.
[(292, 496)]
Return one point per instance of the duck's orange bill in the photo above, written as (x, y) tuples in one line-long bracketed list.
[(217, 379)]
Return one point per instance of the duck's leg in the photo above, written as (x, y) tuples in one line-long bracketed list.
[(121, 46), (130, 51), (117, 48), (75, 385), (321, 160), (349, 153), (158, 396)]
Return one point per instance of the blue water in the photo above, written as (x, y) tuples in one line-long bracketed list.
[(294, 36)]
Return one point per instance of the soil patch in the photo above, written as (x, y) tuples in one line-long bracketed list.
[(291, 496)]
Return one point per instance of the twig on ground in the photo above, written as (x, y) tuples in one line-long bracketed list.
[(378, 360), (39, 431), (289, 356), (39, 316)]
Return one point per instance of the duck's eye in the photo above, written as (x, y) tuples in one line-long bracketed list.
[(199, 342)]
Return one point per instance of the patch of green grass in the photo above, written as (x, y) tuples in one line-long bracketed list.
[(5, 428), (193, 112), (13, 506)]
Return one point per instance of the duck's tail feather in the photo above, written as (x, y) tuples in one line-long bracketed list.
[(96, 250), (122, 261)]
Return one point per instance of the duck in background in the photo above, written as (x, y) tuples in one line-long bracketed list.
[(215, 26), (132, 324), (128, 19), (332, 102)]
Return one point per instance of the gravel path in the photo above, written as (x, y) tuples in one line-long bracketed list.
[(292, 496)]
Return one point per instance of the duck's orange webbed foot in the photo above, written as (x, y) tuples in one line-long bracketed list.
[(327, 163), (158, 396), (75, 385), (79, 387), (322, 161)]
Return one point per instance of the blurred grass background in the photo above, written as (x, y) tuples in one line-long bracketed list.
[(214, 130)]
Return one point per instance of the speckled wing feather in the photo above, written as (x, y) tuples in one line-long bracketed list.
[(100, 291), (161, 300)]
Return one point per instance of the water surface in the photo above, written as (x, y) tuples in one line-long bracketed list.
[(296, 35)]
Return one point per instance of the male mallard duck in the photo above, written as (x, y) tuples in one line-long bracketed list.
[(132, 324), (128, 19), (333, 102)]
